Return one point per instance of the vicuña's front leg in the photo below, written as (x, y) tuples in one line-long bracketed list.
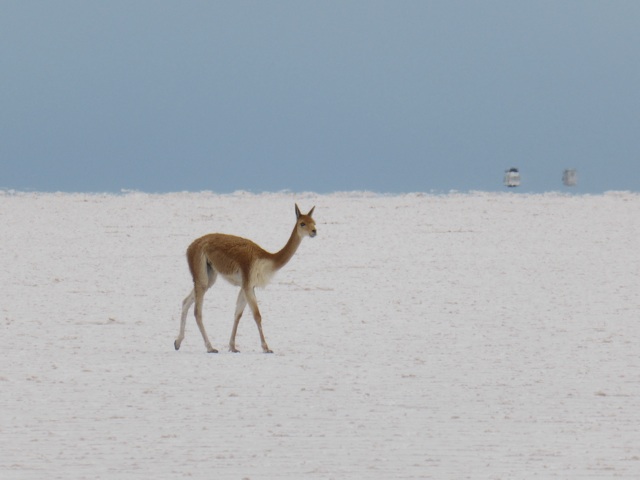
[(240, 304), (253, 304)]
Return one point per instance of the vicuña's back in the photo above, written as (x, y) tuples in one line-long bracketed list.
[(241, 262)]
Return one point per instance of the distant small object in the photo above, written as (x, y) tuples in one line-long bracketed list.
[(570, 177), (512, 177)]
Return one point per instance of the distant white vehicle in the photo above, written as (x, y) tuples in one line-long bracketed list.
[(570, 177), (512, 177)]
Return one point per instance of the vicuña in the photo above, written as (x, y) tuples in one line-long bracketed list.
[(242, 263)]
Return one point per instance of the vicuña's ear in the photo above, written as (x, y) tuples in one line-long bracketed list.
[(297, 211), (311, 211)]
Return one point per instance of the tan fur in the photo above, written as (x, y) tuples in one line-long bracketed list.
[(242, 263)]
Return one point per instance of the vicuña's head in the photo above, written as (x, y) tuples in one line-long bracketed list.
[(306, 225)]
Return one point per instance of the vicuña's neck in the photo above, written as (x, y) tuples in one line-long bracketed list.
[(282, 257)]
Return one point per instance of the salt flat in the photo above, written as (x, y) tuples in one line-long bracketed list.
[(478, 335)]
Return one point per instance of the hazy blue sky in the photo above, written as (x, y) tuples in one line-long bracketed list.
[(389, 96)]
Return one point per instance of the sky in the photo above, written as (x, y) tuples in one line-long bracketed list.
[(318, 96)]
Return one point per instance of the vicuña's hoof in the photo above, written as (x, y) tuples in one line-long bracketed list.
[(213, 350), (234, 350), (268, 351), (176, 345)]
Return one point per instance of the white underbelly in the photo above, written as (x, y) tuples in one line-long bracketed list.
[(261, 275), (234, 278)]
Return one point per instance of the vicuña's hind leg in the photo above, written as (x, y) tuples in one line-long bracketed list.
[(186, 305), (199, 294), (240, 304)]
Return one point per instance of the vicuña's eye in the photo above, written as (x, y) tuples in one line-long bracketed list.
[(303, 224)]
